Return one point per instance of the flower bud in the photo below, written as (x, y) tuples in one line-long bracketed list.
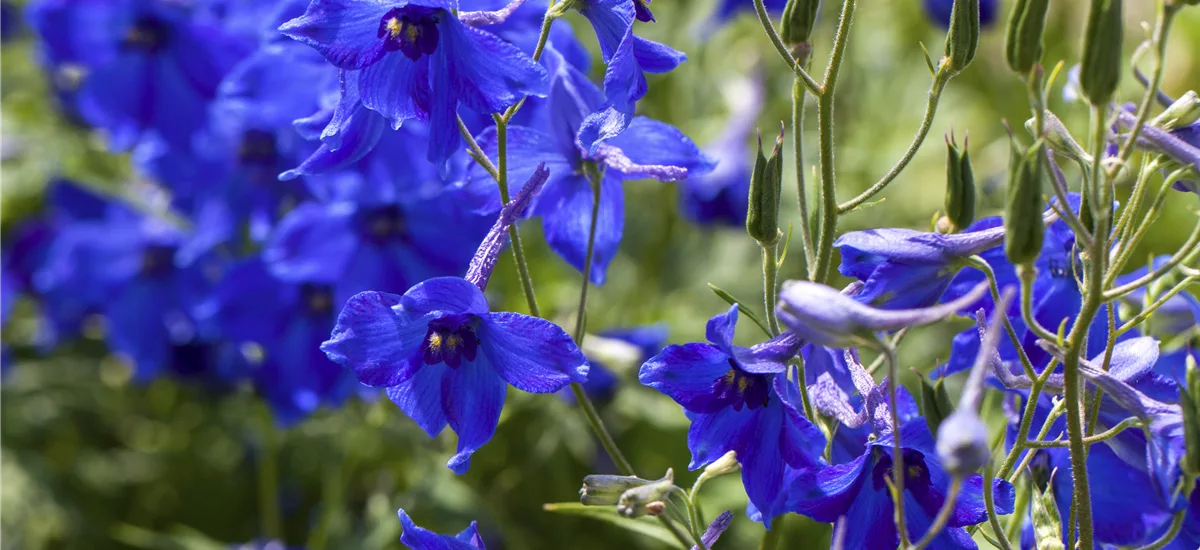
[(1023, 37), (1183, 112), (1047, 527), (1100, 69), (1023, 225), (1059, 138), (960, 185), (727, 464), (962, 442), (766, 184), (606, 490), (799, 18), (645, 499), (963, 38), (935, 403), (1189, 401)]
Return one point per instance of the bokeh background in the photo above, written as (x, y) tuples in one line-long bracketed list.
[(89, 459)]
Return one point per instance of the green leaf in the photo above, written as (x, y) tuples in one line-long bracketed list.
[(643, 526), (743, 309), (787, 241)]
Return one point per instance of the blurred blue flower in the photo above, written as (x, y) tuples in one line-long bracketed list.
[(727, 9), (1191, 135), (740, 399), (417, 538), (939, 12), (419, 61), (722, 196), (602, 382), (857, 491), (150, 65), (648, 148)]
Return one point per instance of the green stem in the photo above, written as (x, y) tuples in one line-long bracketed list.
[(981, 264), (935, 94), (513, 235), (1106, 434), (1016, 521), (828, 195), (1166, 14), (771, 538), (1150, 309), (1163, 541), (793, 64), (943, 516), (898, 471), (770, 272), (1028, 275), (798, 93), (268, 477), (543, 36), (1191, 246), (989, 502)]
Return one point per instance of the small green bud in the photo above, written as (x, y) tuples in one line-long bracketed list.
[(960, 186), (1023, 225), (766, 184), (1047, 526), (1023, 37), (1100, 69), (727, 464), (1183, 112), (646, 499), (935, 403), (799, 18), (963, 37), (1059, 138), (606, 490), (1189, 401)]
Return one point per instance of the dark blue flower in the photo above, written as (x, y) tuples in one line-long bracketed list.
[(648, 148), (939, 12), (151, 65), (739, 399), (628, 58), (417, 538), (857, 491), (415, 59)]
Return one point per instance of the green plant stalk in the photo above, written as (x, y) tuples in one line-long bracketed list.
[(543, 37), (765, 19), (268, 476), (798, 94), (1183, 255), (828, 211), (979, 263), (770, 267), (1162, 27), (1097, 438), (898, 471), (1016, 521), (940, 79), (1129, 243), (1150, 309), (1176, 526), (943, 516), (1124, 228), (989, 502)]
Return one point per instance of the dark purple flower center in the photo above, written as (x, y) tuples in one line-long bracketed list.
[(449, 340), (257, 147), (158, 260), (148, 33), (316, 299), (738, 388), (382, 224), (411, 29), (916, 472)]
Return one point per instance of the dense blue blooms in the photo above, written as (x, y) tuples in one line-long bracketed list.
[(648, 148), (151, 65), (445, 358), (416, 60), (417, 538), (740, 399)]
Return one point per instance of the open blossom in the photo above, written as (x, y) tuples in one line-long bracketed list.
[(415, 59)]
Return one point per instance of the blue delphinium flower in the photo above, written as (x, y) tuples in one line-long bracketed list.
[(417, 538), (151, 65), (648, 148), (444, 357), (939, 12), (739, 399), (628, 57), (415, 59)]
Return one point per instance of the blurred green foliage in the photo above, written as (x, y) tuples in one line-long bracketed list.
[(91, 461)]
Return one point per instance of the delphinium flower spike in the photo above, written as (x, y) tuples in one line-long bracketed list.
[(444, 357)]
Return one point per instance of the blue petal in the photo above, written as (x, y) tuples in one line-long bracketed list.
[(471, 536), (488, 74), (417, 538), (572, 98), (648, 142), (686, 373), (623, 86), (721, 328), (312, 243), (653, 57), (378, 342), (397, 88), (472, 398), (344, 31), (420, 397), (447, 295), (527, 149), (531, 354), (566, 209), (712, 435), (762, 457), (826, 493)]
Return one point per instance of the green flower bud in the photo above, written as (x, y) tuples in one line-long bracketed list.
[(1183, 112), (960, 186), (1189, 401), (963, 38), (1023, 37), (1059, 138), (1047, 526), (766, 184), (727, 464), (935, 403), (799, 18), (640, 501), (1023, 225), (1100, 69), (606, 490)]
